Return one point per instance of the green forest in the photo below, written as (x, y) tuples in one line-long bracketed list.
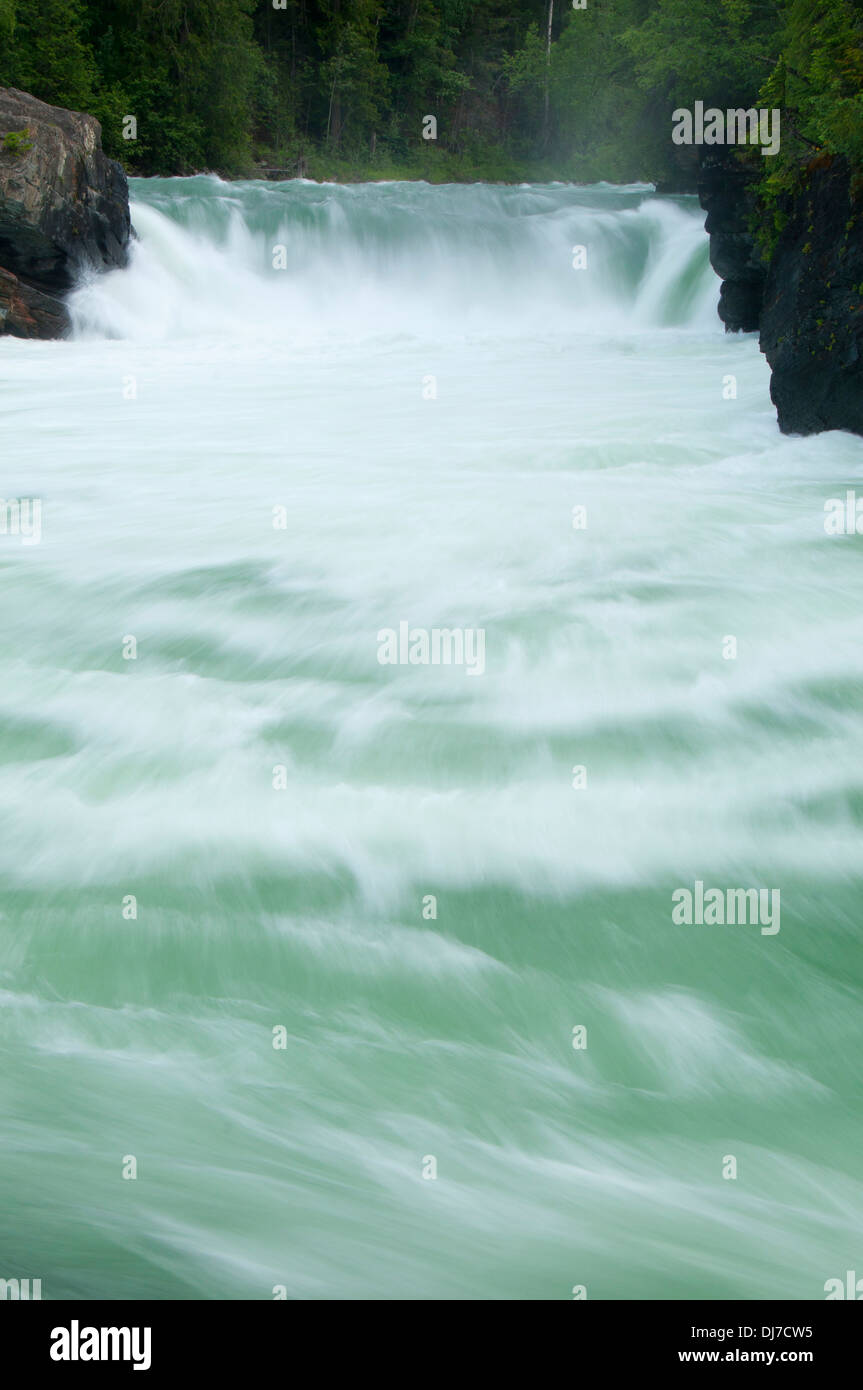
[(518, 88)]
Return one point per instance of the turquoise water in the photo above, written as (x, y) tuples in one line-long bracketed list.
[(252, 472)]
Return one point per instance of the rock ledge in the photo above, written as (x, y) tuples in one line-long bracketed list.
[(64, 208)]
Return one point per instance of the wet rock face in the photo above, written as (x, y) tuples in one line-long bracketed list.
[(726, 192), (807, 302), (812, 319), (64, 207), (26, 312)]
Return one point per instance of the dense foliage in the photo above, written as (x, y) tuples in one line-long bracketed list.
[(537, 88)]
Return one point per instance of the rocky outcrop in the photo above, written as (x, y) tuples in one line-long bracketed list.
[(64, 208), (812, 317), (726, 191), (807, 300), (26, 312)]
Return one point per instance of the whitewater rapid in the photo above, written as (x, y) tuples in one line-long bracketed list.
[(302, 263), (303, 415)]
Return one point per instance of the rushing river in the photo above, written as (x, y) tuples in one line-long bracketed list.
[(300, 938)]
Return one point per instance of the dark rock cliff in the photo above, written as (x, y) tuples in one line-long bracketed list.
[(812, 315), (64, 207), (807, 301), (726, 191)]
